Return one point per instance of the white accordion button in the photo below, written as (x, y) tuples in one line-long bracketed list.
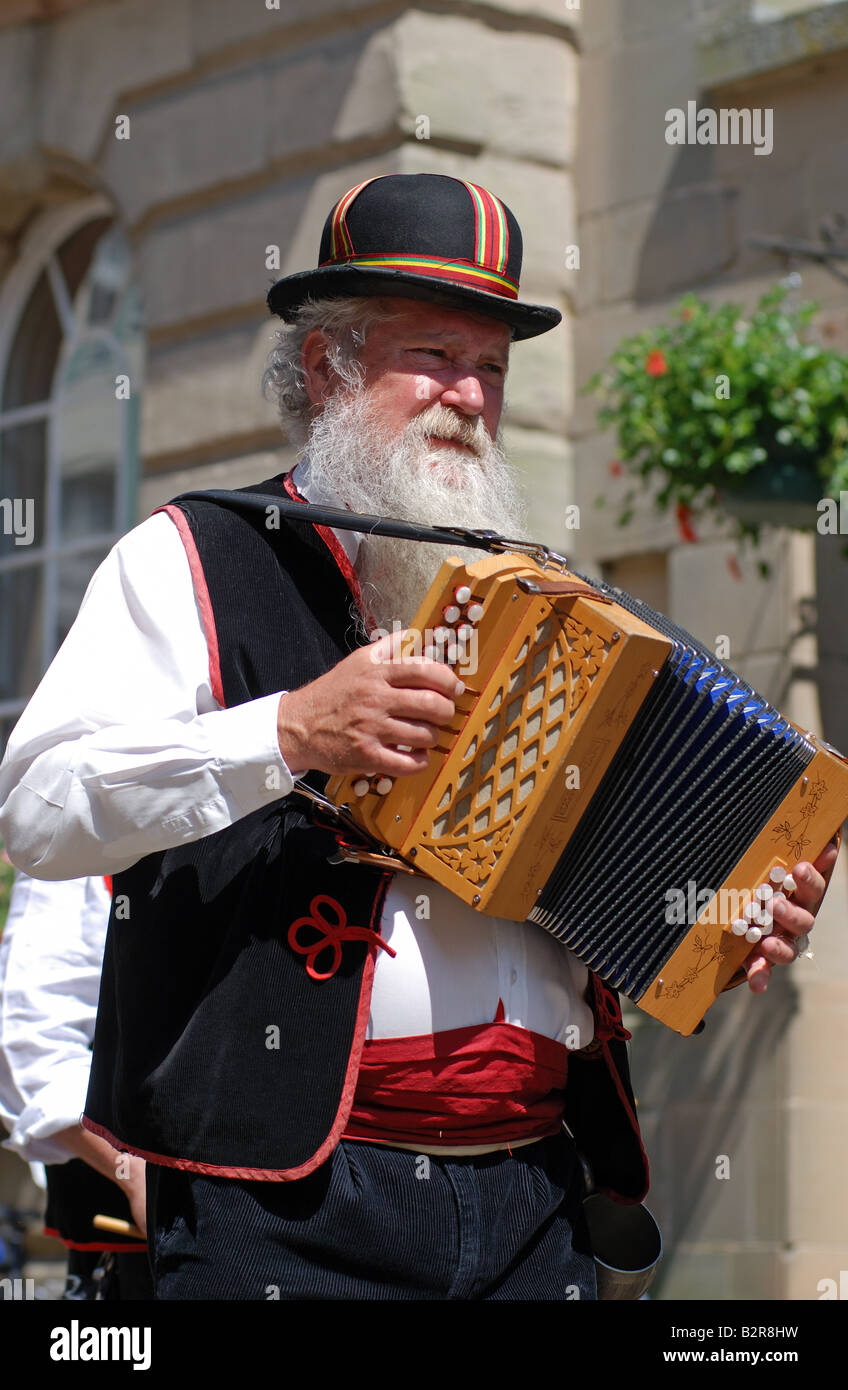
[(777, 875), (442, 635), (384, 785), (739, 926), (474, 612), (361, 786), (462, 594), (789, 885), (451, 614), (451, 653), (753, 934), (763, 921), (764, 892), (465, 632), (750, 911)]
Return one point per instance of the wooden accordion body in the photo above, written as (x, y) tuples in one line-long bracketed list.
[(603, 766)]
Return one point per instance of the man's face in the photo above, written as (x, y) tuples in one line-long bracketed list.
[(428, 355), (415, 438)]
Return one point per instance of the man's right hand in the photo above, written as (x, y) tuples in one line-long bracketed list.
[(356, 716)]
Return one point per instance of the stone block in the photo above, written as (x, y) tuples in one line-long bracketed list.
[(618, 243), (545, 465), (692, 1274), (601, 496), (597, 335), (817, 1147), (93, 56), (754, 1275), (204, 388), (769, 201), (804, 1270), (19, 53), (188, 140), (623, 155), (645, 576), (825, 189), (654, 19), (157, 488), (688, 237), (342, 87), (583, 282), (507, 92), (821, 1031), (213, 259), (708, 600), (539, 385), (219, 24), (568, 13)]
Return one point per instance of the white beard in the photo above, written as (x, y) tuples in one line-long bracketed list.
[(408, 476)]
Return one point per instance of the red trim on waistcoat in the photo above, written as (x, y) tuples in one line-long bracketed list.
[(332, 543), (137, 1247), (634, 1124), (342, 1114), (201, 591), (609, 1026)]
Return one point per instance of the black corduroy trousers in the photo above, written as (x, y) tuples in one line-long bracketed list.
[(378, 1223)]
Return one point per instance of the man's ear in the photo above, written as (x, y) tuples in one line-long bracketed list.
[(317, 372)]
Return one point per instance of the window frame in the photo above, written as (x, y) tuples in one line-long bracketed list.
[(38, 254)]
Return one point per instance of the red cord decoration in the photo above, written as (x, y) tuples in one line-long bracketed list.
[(331, 935)]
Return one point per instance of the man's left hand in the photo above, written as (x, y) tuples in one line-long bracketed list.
[(793, 918)]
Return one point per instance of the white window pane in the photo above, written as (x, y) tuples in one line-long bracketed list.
[(20, 631), (22, 485), (73, 573), (89, 425)]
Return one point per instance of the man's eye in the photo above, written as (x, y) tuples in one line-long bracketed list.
[(431, 352)]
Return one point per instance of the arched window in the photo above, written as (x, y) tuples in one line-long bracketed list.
[(71, 360)]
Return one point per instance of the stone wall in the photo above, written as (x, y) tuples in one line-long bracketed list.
[(759, 1086), (244, 125)]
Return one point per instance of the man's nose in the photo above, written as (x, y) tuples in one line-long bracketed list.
[(464, 392)]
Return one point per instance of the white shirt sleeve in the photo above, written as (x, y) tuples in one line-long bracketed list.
[(51, 954), (123, 750)]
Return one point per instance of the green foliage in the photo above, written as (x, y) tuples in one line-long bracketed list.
[(701, 403)]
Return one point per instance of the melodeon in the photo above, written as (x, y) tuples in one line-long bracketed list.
[(607, 778)]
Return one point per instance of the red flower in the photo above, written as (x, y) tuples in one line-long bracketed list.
[(615, 468), (733, 566), (684, 523), (655, 363)]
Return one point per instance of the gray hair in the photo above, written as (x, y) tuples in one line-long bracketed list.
[(345, 324)]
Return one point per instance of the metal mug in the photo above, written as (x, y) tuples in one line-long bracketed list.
[(627, 1246)]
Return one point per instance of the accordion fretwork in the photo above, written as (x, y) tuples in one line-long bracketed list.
[(604, 777)]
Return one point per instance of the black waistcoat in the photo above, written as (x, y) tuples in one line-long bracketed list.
[(76, 1193), (214, 1049)]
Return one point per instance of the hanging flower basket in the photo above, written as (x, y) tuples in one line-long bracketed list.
[(747, 418), (778, 493)]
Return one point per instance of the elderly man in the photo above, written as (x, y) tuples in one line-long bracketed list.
[(390, 1127)]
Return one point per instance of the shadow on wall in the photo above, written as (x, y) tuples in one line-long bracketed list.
[(715, 1145)]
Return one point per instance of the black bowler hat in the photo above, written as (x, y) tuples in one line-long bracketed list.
[(420, 236)]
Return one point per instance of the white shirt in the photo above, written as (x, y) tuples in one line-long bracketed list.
[(51, 954), (123, 751)]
